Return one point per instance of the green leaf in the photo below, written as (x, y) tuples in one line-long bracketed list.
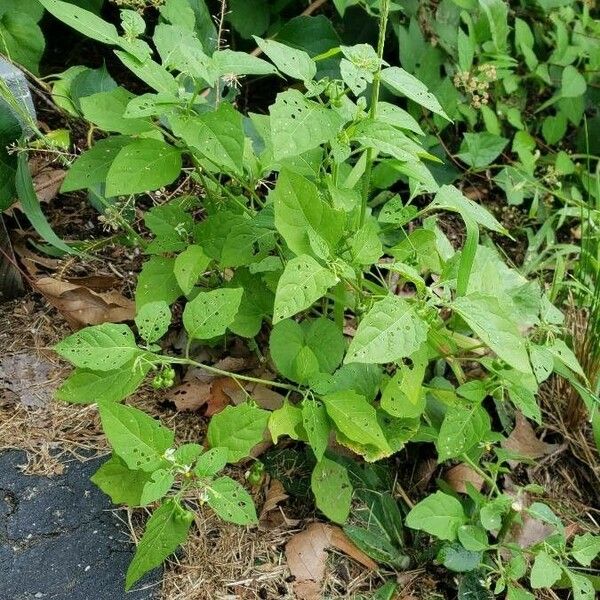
[(89, 387), (211, 462), (389, 331), (157, 281), (161, 481), (217, 135), (398, 117), (153, 320), (583, 589), (403, 83), (515, 593), (287, 420), (231, 501), (295, 63), (365, 245), (355, 418), (545, 571), (439, 515), (491, 513), (300, 211), (458, 559), (449, 198), (151, 73), (461, 430), (479, 150), (331, 486), (91, 167), (117, 480), (585, 548), (554, 128), (302, 283), (83, 21), (210, 313), (249, 17), (171, 225), (166, 529), (189, 266), (30, 205), (229, 62), (21, 39), (135, 436), (239, 429), (403, 395), (106, 110), (299, 124), (573, 83), (102, 347), (317, 426), (187, 454), (497, 330), (141, 166), (473, 538)]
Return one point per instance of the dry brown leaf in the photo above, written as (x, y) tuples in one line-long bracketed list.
[(219, 398), (458, 477), (306, 557), (28, 376), (189, 395), (82, 306), (270, 516), (47, 183), (524, 442)]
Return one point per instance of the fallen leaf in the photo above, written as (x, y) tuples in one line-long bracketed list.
[(28, 376), (271, 516), (306, 557), (82, 306), (524, 442), (189, 395), (219, 394), (47, 183), (458, 477)]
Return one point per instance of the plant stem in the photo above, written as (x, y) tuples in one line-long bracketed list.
[(216, 371), (384, 12)]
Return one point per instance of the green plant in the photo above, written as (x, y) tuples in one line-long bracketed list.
[(324, 248)]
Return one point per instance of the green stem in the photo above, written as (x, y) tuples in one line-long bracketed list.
[(384, 12), (467, 257), (489, 480), (236, 376)]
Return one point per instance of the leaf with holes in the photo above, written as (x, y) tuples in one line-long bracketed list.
[(134, 436), (239, 429), (189, 266), (157, 487), (166, 529), (461, 430), (153, 320), (401, 82), (302, 283), (102, 347), (122, 484), (157, 281), (299, 124), (231, 501), (88, 387), (295, 63), (142, 166), (211, 462), (210, 313), (317, 426), (355, 418), (332, 489), (391, 330)]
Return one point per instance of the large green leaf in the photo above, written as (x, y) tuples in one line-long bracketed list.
[(295, 63), (217, 135), (122, 484), (355, 418), (461, 430), (91, 167), (496, 329), (317, 426), (331, 486), (239, 429), (153, 320), (302, 283), (299, 124), (391, 330), (104, 347), (210, 313), (21, 39), (166, 529), (142, 166), (135, 436), (157, 281), (438, 514), (231, 501), (401, 82), (301, 213)]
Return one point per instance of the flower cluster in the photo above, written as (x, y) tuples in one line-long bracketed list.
[(477, 84), (138, 5)]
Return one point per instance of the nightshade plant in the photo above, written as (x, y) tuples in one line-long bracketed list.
[(318, 252)]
